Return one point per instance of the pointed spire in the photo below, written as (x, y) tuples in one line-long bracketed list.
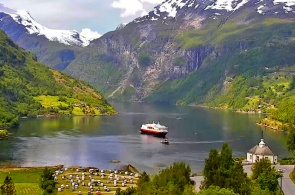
[(262, 136), (261, 144)]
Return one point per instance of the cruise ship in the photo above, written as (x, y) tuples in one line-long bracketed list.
[(154, 129)]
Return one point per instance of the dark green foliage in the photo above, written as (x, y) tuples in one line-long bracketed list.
[(47, 181), (263, 165), (174, 180), (269, 181), (265, 175), (128, 191), (288, 160), (143, 179), (144, 59), (211, 168), (285, 112), (217, 191), (8, 187), (229, 178), (221, 170), (292, 84), (291, 139), (22, 79)]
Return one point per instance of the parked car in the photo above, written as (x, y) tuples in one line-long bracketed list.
[(280, 170)]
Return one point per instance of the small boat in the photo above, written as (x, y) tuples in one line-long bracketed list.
[(165, 141), (154, 129)]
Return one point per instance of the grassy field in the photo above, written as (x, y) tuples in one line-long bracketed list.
[(26, 180), (67, 105), (28, 188)]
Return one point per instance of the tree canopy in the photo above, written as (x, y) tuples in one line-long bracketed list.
[(8, 187), (266, 176), (47, 181), (221, 170), (170, 181)]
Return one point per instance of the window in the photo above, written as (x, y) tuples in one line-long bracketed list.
[(251, 156)]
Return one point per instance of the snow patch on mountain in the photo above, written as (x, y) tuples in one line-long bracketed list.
[(286, 2), (67, 37), (228, 5), (168, 9), (171, 7), (260, 9)]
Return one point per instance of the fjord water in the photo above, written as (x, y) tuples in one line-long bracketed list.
[(95, 141)]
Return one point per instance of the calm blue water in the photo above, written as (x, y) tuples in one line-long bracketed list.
[(95, 141)]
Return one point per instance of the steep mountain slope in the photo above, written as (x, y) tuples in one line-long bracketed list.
[(56, 48), (28, 88), (192, 51)]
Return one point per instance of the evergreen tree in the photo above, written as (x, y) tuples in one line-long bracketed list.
[(221, 170), (265, 175), (47, 181), (263, 165), (210, 169), (226, 158), (8, 187), (269, 180)]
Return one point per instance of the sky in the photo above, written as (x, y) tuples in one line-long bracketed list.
[(98, 15)]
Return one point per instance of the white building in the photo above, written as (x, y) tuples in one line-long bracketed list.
[(261, 151)]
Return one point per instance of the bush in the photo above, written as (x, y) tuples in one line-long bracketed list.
[(144, 59), (179, 62), (47, 181), (3, 133), (287, 161)]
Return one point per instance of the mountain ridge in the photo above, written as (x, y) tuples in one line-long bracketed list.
[(140, 61), (32, 36), (67, 37), (190, 52)]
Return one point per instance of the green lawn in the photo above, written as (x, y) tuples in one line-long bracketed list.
[(22, 175), (28, 188), (26, 181)]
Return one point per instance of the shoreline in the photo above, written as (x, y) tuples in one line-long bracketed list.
[(8, 167)]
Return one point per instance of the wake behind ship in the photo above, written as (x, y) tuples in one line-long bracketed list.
[(154, 129)]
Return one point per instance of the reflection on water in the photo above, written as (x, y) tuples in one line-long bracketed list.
[(95, 141)]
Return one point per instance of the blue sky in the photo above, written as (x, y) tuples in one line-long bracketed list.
[(98, 15)]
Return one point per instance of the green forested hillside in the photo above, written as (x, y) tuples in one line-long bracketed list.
[(252, 68), (28, 88)]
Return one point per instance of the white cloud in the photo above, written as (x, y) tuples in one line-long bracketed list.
[(133, 7), (98, 15), (152, 1), (86, 32), (130, 7)]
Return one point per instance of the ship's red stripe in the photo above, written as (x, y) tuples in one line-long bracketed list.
[(151, 131)]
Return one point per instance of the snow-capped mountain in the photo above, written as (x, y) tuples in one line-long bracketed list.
[(55, 48), (200, 41), (67, 37), (171, 9)]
